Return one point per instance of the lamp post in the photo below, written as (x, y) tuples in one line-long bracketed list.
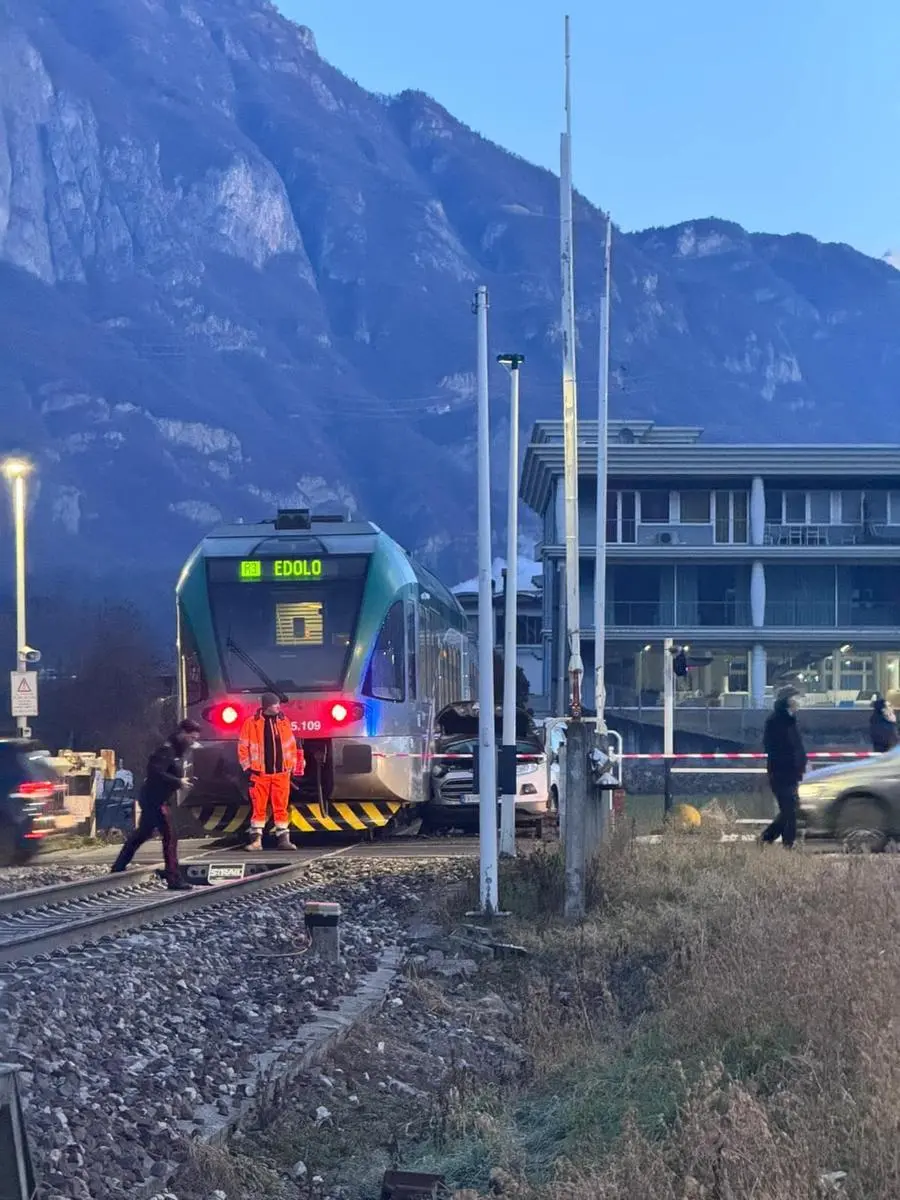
[(508, 789), (16, 471)]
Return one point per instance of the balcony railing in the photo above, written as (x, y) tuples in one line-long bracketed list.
[(802, 534), (733, 614)]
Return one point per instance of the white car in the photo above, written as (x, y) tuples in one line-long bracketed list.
[(454, 801)]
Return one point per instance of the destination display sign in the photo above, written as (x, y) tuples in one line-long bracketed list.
[(285, 570)]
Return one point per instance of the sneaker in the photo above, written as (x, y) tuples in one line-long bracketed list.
[(180, 886), (255, 842), (284, 841)]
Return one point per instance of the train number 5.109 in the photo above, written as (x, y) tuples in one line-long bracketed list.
[(306, 726)]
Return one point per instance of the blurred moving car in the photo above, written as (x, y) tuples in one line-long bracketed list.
[(855, 802), (454, 801), (28, 788)]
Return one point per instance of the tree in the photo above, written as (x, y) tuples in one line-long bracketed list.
[(110, 693), (523, 689)]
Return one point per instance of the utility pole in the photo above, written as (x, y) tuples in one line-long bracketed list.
[(570, 404), (16, 471), (576, 734), (602, 469), (508, 779), (487, 762), (668, 719)]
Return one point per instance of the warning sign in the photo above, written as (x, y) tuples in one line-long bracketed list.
[(24, 693)]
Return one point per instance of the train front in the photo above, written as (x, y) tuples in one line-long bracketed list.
[(296, 612)]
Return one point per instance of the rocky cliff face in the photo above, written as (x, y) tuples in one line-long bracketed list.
[(231, 279)]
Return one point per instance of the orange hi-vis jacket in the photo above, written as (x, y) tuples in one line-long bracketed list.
[(252, 751)]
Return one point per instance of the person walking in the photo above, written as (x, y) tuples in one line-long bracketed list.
[(164, 777), (883, 726), (785, 765), (269, 756)]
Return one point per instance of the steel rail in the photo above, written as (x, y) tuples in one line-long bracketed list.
[(55, 894), (129, 917)]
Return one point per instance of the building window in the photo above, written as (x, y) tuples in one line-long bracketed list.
[(795, 508), (820, 508), (851, 508), (528, 631), (695, 508), (774, 506), (893, 508), (655, 508)]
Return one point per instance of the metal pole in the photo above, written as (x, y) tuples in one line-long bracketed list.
[(600, 558), (668, 720), (668, 699), (21, 631), (509, 781), (570, 406), (575, 826), (487, 765)]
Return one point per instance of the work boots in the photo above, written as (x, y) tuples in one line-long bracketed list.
[(255, 842), (284, 841)]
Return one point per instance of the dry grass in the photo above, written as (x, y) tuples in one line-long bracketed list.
[(725, 1025)]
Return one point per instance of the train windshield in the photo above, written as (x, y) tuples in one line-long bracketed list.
[(285, 630)]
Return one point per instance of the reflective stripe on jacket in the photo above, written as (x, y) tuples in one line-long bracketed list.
[(251, 745)]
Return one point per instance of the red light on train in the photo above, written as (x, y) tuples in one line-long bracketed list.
[(339, 713), (223, 716)]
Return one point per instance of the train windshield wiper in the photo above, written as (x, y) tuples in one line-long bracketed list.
[(257, 670)]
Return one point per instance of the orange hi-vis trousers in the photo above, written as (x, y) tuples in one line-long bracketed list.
[(265, 789)]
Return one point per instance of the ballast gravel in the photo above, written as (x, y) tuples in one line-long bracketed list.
[(121, 1043), (23, 879)]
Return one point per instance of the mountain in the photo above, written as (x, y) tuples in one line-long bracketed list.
[(232, 279)]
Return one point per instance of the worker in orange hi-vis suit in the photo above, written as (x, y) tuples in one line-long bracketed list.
[(269, 756)]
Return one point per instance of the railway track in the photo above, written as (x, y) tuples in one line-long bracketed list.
[(46, 920)]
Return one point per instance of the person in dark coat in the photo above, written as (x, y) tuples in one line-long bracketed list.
[(883, 726), (785, 765), (165, 775)]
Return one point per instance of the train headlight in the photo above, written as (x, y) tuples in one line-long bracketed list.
[(339, 713), (229, 715)]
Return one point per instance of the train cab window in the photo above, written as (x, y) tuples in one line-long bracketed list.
[(411, 689), (193, 677), (385, 678)]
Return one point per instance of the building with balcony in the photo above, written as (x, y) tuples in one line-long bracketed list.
[(529, 623), (773, 564)]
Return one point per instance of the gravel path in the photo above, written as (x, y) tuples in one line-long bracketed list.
[(120, 1043)]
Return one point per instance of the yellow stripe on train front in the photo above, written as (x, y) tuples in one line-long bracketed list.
[(317, 815), (348, 816), (215, 819), (374, 813), (238, 821), (299, 821)]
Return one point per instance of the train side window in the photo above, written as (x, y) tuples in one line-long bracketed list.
[(385, 678), (411, 656), (193, 677)]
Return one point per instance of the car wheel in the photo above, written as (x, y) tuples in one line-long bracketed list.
[(554, 801), (9, 844), (863, 825)]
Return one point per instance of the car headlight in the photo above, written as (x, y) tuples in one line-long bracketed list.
[(815, 791), (527, 768)]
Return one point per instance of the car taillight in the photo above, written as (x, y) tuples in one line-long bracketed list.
[(36, 791)]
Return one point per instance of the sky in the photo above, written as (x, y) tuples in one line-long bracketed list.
[(782, 115)]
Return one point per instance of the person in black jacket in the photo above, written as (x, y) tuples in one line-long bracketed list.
[(883, 726), (785, 765), (165, 775)]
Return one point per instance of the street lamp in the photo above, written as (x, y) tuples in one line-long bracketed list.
[(513, 363), (640, 679), (16, 471)]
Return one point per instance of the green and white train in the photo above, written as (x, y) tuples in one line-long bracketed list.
[(363, 645)]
